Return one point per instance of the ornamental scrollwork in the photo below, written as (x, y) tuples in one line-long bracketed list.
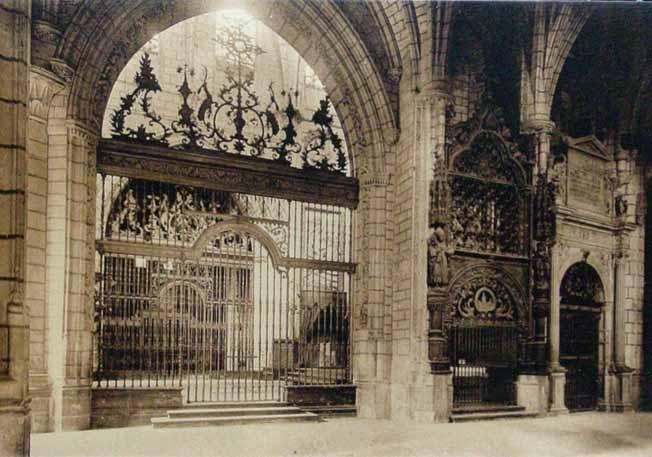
[(234, 119), (173, 214), (486, 294), (487, 182)]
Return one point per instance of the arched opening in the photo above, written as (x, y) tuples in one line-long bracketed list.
[(581, 302), (489, 220), (223, 174)]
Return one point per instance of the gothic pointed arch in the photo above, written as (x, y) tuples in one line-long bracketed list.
[(489, 185), (337, 54)]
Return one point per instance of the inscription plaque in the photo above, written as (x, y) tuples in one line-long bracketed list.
[(588, 183)]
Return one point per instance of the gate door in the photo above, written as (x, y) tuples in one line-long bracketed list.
[(579, 355), (581, 300), (224, 228), (230, 296), (484, 363)]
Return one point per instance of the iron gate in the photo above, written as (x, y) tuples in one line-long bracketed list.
[(484, 364), (579, 356), (231, 296)]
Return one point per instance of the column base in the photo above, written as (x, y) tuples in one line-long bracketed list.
[(557, 384), (619, 392), (532, 393), (15, 424), (40, 392), (426, 402), (442, 396), (76, 408), (373, 400)]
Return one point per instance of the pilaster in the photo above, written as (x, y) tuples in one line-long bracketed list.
[(14, 310), (70, 254), (621, 395), (42, 87), (371, 348)]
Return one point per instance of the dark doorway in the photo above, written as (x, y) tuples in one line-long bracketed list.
[(581, 307), (579, 355)]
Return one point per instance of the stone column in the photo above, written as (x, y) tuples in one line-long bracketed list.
[(71, 206), (14, 312), (557, 372), (43, 85), (622, 395), (433, 108), (371, 348), (543, 350)]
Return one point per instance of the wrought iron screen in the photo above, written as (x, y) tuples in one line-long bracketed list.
[(232, 296), (489, 200), (224, 235)]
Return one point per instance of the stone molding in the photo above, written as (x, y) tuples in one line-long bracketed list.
[(62, 70), (43, 86)]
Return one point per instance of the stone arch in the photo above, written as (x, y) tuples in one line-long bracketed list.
[(592, 275), (321, 34), (258, 233), (506, 159), (571, 259)]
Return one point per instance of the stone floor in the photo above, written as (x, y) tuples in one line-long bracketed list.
[(584, 434)]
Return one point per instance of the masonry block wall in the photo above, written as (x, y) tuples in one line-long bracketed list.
[(14, 309), (635, 280)]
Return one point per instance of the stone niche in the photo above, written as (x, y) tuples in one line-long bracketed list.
[(584, 178)]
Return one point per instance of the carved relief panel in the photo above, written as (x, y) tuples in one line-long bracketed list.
[(487, 294)]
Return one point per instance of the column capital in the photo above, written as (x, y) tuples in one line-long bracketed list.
[(82, 130), (369, 180), (43, 86), (435, 89), (62, 70), (537, 126)]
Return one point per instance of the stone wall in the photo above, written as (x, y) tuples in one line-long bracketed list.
[(14, 203), (126, 407)]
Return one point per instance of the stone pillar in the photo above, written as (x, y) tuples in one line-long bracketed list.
[(371, 348), (622, 395), (14, 312), (43, 85), (433, 107), (543, 349), (71, 206)]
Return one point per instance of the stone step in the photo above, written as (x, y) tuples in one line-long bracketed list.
[(491, 415), (235, 404), (168, 422), (486, 409), (332, 410), (236, 412)]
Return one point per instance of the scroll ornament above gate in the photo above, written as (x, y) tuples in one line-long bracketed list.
[(233, 119), (485, 293)]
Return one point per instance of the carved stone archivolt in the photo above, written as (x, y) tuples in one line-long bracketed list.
[(486, 294), (581, 285)]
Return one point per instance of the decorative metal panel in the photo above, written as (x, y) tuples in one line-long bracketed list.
[(234, 119)]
